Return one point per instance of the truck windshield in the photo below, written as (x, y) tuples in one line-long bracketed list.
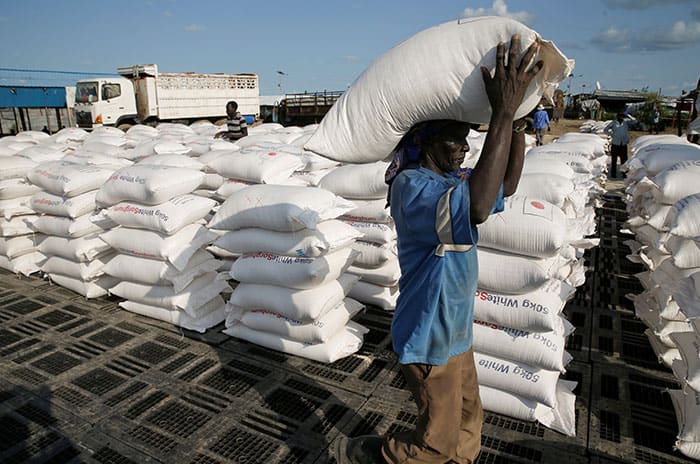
[(86, 92)]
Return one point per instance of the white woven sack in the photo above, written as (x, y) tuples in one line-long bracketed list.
[(42, 154), (302, 305), (82, 156), (16, 167), (527, 226), (538, 349), (578, 164), (685, 252), (513, 274), (686, 416), (25, 264), (156, 272), (148, 184), (166, 218), (515, 377), (422, 79), (318, 331), (202, 290), (56, 205), (80, 249), (536, 311), (209, 315), (598, 143), (670, 357), (552, 188), (259, 166), (66, 226), (357, 181), (229, 187), (88, 270), (373, 255), (541, 165), (678, 181), (16, 188), (177, 249), (344, 343), (173, 160), (688, 344), (16, 207), (68, 179), (654, 158), (561, 418), (168, 147), (15, 246), (375, 232), (280, 208), (327, 237), (292, 272), (212, 181), (684, 218), (20, 225), (645, 140), (376, 295), (386, 275), (662, 328), (87, 288), (369, 211)]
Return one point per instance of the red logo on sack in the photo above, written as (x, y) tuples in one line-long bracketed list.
[(272, 153), (537, 204)]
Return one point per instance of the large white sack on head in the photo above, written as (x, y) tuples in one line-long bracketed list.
[(202, 290), (148, 184), (16, 167), (166, 218), (57, 205), (513, 274), (16, 188), (87, 270), (327, 237), (357, 181), (373, 255), (209, 315), (25, 264), (173, 160), (177, 249), (286, 271), (318, 331), (259, 166), (369, 211), (526, 226), (13, 247), (538, 349), (344, 343), (66, 226), (20, 225), (684, 218), (375, 232), (376, 295), (16, 207), (68, 179), (303, 305), (422, 79), (88, 288), (278, 207), (386, 275), (536, 311), (156, 272), (76, 249), (561, 418), (519, 378)]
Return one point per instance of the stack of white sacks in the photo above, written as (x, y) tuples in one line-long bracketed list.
[(377, 264), (663, 187), (292, 257), (594, 127)]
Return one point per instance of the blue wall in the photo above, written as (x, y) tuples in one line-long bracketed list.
[(32, 97)]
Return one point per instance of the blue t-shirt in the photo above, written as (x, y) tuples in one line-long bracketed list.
[(435, 310), (540, 119)]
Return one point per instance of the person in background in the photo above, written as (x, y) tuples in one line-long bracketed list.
[(236, 123), (654, 126), (436, 207), (620, 138), (540, 122)]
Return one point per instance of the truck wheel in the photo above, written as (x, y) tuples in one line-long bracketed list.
[(124, 127)]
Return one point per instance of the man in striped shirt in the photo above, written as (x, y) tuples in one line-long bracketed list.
[(237, 126)]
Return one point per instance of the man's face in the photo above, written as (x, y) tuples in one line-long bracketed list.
[(231, 110), (449, 148)]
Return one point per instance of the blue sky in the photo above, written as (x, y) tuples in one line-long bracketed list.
[(325, 45)]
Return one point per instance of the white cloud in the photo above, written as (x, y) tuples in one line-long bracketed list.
[(681, 35), (167, 13), (195, 28), (641, 4), (499, 8)]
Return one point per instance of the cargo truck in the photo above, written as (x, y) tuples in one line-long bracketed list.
[(145, 96)]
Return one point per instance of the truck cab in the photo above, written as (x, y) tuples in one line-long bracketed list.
[(104, 102)]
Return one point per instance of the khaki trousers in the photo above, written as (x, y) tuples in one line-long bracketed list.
[(449, 415)]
